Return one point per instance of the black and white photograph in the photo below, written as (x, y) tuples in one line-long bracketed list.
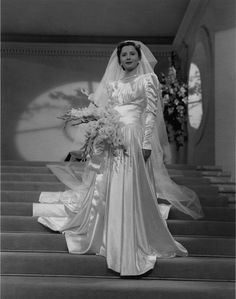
[(118, 149)]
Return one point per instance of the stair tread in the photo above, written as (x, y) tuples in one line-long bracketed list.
[(217, 268), (45, 170), (33, 196), (51, 178), (57, 186), (211, 213), (116, 288), (86, 257), (41, 255), (5, 163), (180, 221), (42, 242), (189, 227)]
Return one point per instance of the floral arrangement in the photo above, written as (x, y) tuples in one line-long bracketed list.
[(103, 129), (175, 98)]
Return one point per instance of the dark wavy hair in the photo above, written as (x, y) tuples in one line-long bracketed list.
[(128, 43)]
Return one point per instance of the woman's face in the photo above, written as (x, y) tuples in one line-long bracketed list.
[(129, 58)]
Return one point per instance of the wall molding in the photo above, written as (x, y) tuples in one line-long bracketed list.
[(78, 39), (15, 49)]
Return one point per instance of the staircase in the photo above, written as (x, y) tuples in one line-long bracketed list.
[(35, 262)]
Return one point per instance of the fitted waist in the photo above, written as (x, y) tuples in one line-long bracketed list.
[(129, 114)]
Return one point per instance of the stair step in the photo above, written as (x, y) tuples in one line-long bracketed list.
[(33, 186), (213, 200), (29, 177), (16, 208), (44, 163), (184, 172), (219, 179), (208, 167), (43, 177), (168, 166), (25, 169), (14, 163), (189, 181), (41, 242), (45, 170), (215, 173), (39, 287), (176, 227), (201, 228), (33, 196), (215, 213), (210, 213), (227, 188), (25, 163), (22, 196), (232, 199), (205, 268), (34, 251), (53, 186)]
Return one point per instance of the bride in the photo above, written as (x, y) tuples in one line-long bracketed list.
[(111, 208)]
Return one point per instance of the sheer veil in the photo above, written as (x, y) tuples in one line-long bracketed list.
[(114, 71), (180, 197), (146, 65)]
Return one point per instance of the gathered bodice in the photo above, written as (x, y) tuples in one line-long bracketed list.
[(127, 91), (133, 96)]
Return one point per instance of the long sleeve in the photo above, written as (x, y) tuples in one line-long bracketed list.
[(152, 94)]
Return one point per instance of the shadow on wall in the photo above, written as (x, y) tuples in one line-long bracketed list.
[(39, 134), (30, 127)]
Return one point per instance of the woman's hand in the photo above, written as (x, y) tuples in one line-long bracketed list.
[(146, 154)]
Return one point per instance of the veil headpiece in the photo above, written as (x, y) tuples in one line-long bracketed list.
[(182, 198), (115, 72)]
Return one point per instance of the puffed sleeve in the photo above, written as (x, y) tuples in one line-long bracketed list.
[(152, 94)]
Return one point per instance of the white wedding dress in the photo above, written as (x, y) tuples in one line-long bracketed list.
[(110, 206)]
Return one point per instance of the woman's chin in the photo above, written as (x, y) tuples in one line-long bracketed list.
[(129, 69)]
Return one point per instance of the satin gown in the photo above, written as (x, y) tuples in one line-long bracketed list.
[(110, 206)]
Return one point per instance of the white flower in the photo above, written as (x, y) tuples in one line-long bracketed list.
[(84, 91), (103, 131), (176, 102), (182, 89)]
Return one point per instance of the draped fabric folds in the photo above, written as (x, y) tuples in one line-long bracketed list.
[(110, 206)]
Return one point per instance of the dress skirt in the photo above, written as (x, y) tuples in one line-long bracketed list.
[(110, 208)]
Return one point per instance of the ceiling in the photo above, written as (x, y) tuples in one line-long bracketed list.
[(92, 20)]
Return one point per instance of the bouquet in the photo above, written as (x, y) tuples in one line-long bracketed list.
[(175, 98), (103, 129)]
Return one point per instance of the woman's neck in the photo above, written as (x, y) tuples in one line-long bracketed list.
[(131, 73)]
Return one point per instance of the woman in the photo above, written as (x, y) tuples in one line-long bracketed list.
[(111, 207)]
